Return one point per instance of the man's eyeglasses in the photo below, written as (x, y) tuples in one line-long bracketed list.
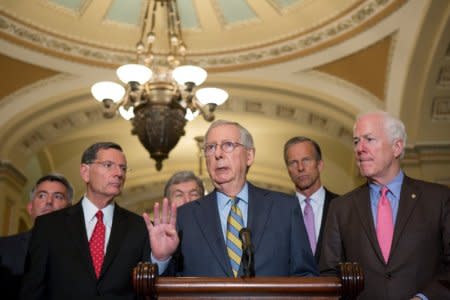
[(227, 147), (109, 165)]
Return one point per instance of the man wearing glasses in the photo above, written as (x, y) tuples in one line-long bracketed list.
[(90, 249), (204, 231)]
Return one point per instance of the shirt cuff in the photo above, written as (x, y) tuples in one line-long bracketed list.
[(422, 296), (162, 264)]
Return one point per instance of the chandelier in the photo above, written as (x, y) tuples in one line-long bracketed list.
[(160, 93)]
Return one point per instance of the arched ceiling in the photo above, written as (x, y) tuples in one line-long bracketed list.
[(292, 67)]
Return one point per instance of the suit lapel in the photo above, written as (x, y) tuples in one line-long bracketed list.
[(77, 235), (326, 204), (361, 201), (118, 230), (408, 199), (208, 220), (259, 206)]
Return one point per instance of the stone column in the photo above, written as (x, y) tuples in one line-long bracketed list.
[(12, 209)]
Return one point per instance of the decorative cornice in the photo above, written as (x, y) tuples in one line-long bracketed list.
[(294, 45), (441, 109), (46, 132), (8, 172)]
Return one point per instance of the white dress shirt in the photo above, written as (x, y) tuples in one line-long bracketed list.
[(317, 203), (89, 211)]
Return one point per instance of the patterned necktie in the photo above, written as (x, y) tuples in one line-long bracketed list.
[(234, 244), (385, 227), (97, 243), (308, 217)]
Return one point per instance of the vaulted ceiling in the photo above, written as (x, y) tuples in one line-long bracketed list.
[(292, 67)]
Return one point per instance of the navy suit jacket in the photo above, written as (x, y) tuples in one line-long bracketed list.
[(59, 264), (278, 234), (419, 260), (13, 250)]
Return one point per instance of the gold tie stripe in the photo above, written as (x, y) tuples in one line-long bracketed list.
[(234, 245)]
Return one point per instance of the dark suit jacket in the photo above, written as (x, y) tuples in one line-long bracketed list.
[(328, 197), (420, 254), (59, 264), (278, 234), (13, 250)]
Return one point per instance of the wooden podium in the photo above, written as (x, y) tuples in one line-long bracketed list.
[(147, 283)]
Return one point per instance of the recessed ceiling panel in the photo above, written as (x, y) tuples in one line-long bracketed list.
[(125, 11), (70, 4), (188, 15), (235, 11)]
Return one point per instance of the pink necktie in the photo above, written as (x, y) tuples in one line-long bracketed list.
[(97, 243), (385, 227), (308, 217)]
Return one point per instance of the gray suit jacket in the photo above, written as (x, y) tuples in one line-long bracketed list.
[(420, 255), (59, 264), (13, 250), (278, 234)]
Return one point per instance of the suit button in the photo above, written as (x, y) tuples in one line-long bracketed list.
[(388, 276)]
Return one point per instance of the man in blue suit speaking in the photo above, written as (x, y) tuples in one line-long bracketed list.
[(200, 238)]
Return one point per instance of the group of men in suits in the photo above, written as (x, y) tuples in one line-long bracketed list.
[(50, 193), (193, 239), (196, 233)]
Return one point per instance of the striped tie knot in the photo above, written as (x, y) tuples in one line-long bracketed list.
[(234, 245)]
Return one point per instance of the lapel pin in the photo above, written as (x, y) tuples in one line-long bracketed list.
[(413, 196)]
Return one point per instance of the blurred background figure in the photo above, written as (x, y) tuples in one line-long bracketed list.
[(183, 187), (50, 193)]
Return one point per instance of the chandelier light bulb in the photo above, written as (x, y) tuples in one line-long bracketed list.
[(140, 48), (126, 114), (211, 95), (191, 115), (134, 73), (107, 90), (151, 37), (188, 73), (174, 40)]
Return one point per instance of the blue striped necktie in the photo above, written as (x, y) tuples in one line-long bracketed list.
[(234, 245)]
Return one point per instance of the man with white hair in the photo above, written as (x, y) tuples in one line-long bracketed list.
[(396, 227)]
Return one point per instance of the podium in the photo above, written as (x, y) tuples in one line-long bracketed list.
[(347, 286)]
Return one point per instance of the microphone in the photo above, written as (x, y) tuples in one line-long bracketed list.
[(247, 252)]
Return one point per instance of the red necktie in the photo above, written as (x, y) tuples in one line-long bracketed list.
[(385, 226), (97, 243)]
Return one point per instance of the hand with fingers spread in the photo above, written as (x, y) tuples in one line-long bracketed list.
[(162, 232)]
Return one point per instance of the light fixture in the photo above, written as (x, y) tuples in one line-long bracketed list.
[(160, 93)]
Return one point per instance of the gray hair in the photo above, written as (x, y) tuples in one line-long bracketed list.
[(302, 139), (184, 176), (395, 129), (54, 177), (90, 154), (245, 138)]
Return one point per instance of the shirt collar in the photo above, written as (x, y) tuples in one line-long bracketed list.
[(318, 196), (89, 210), (223, 199), (394, 186)]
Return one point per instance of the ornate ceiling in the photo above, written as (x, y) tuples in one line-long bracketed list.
[(292, 67)]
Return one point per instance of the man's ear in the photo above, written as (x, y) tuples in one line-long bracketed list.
[(29, 207), (84, 172), (397, 148), (320, 165), (250, 156)]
